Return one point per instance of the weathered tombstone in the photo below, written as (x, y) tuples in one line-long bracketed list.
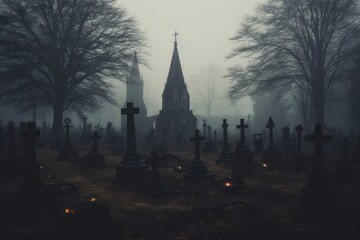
[(210, 145), (68, 152), (108, 131), (225, 156), (344, 173), (258, 143), (22, 142), (84, 134), (286, 140), (156, 186), (242, 158), (131, 169), (93, 159), (298, 161), (204, 125), (271, 156), (32, 180), (10, 151), (318, 197), (197, 170)]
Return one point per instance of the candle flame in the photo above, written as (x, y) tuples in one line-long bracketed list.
[(264, 165), (68, 211), (93, 199), (228, 184)]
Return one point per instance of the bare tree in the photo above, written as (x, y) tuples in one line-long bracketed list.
[(64, 53), (295, 43)]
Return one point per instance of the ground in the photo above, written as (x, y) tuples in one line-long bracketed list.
[(263, 210)]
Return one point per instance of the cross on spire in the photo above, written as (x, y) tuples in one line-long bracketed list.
[(175, 35)]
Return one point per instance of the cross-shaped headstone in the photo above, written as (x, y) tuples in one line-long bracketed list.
[(95, 137), (242, 127), (318, 138), (130, 111), (204, 125), (209, 131), (298, 129), (225, 137), (345, 144), (67, 126), (84, 124), (197, 140), (270, 125)]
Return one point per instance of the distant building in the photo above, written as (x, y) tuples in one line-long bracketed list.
[(175, 117)]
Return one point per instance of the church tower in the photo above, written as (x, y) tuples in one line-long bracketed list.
[(175, 118), (135, 94)]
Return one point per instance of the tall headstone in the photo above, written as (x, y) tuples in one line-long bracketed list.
[(298, 161), (68, 152), (94, 159), (271, 156), (344, 174), (225, 156), (132, 169), (197, 170), (242, 159), (84, 134), (204, 125), (318, 197), (210, 145)]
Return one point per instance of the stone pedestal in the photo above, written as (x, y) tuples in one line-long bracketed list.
[(131, 170), (197, 171)]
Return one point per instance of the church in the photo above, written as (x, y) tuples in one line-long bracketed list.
[(175, 118)]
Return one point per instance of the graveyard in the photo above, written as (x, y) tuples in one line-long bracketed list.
[(178, 199)]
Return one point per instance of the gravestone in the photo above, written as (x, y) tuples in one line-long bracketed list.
[(204, 125), (318, 197), (258, 143), (225, 156), (156, 186), (271, 156), (22, 142), (68, 152), (10, 157), (108, 134), (84, 134), (298, 161), (131, 169), (197, 170), (93, 159), (210, 145), (242, 158), (344, 174), (32, 180), (286, 140)]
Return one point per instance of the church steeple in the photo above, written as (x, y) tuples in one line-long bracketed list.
[(175, 93)]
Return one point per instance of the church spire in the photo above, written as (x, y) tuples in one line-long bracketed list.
[(135, 72), (175, 75)]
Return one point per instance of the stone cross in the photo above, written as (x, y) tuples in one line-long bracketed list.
[(215, 133), (175, 35), (298, 129), (345, 144), (318, 138), (242, 127), (225, 136), (67, 126), (270, 125), (204, 126), (209, 131), (130, 111), (32, 133), (197, 140), (95, 137)]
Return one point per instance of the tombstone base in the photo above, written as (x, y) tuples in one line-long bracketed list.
[(68, 153), (93, 160), (210, 147), (271, 156), (157, 188), (242, 160), (299, 162), (197, 171), (131, 174), (344, 175), (225, 157)]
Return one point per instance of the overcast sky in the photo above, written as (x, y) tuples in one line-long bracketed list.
[(204, 27)]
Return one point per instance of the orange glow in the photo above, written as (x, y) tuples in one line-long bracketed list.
[(228, 184), (68, 211), (179, 167), (264, 165), (93, 199)]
